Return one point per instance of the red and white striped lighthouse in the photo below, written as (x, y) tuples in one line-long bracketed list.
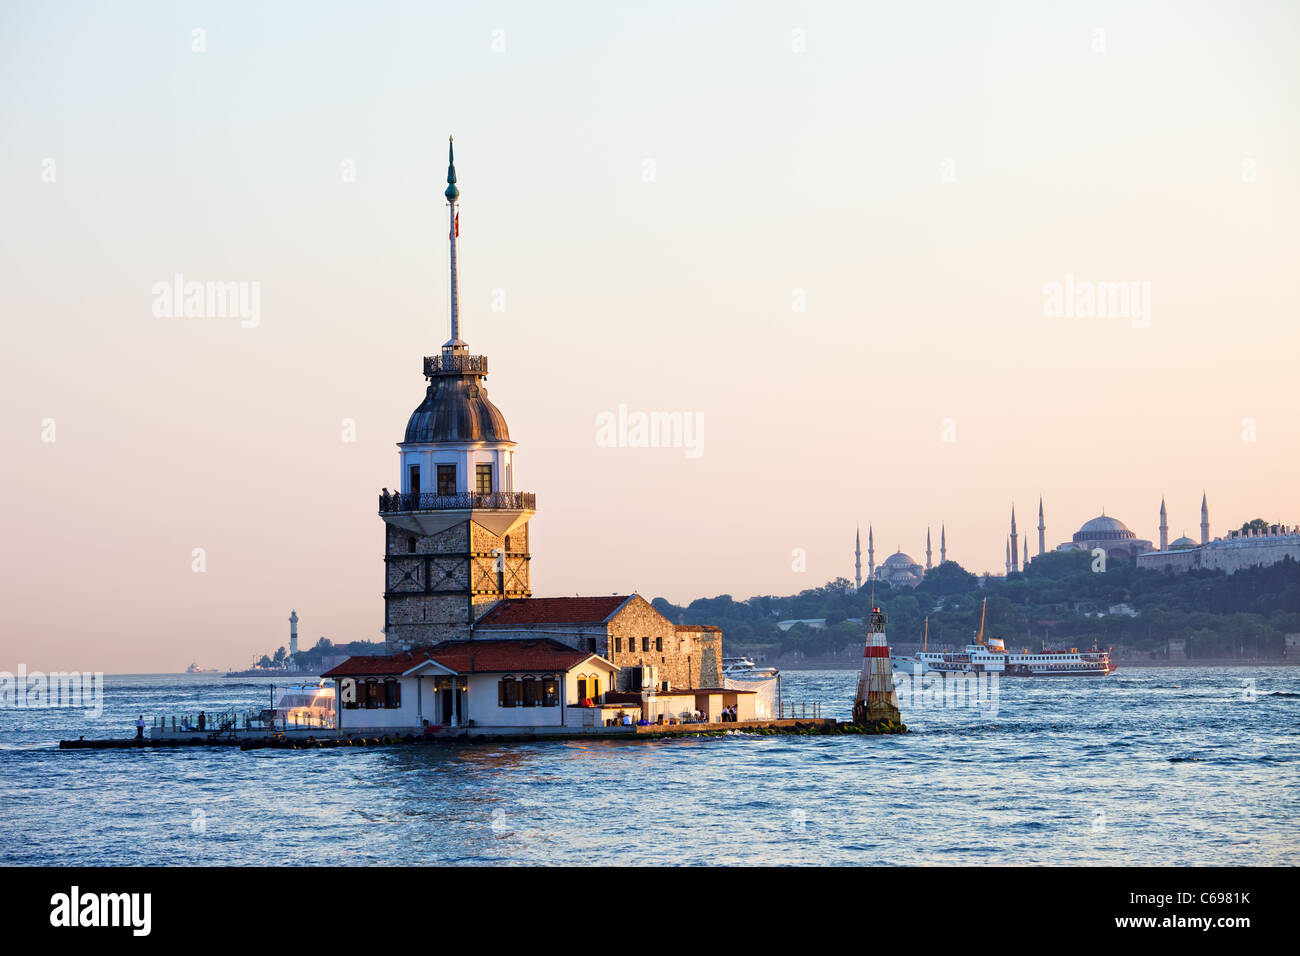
[(876, 701)]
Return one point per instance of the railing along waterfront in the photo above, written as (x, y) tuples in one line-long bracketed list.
[(791, 709), (427, 501), (242, 721)]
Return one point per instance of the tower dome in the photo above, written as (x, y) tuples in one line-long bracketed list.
[(899, 559), (456, 407)]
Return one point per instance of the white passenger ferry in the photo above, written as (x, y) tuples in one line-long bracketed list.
[(992, 657)]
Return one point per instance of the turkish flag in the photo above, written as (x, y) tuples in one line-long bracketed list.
[(456, 231)]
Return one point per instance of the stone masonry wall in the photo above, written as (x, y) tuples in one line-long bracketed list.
[(641, 636)]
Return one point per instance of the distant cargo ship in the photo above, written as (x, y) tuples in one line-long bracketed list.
[(992, 657), (194, 668)]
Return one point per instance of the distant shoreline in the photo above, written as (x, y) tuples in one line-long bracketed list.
[(1120, 665)]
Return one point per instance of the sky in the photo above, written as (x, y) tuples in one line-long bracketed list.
[(828, 233)]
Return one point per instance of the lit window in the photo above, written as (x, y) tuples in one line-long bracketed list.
[(483, 479)]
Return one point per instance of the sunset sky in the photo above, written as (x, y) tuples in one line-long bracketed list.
[(825, 229)]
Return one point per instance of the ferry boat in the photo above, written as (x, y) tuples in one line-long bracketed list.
[(992, 657)]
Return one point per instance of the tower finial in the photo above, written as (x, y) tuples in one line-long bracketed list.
[(453, 233)]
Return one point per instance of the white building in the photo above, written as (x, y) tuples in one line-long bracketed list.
[(475, 684)]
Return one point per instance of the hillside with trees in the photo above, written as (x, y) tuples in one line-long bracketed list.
[(1058, 600)]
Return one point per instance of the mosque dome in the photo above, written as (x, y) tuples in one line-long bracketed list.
[(456, 409), (899, 560), (1101, 528), (1182, 544)]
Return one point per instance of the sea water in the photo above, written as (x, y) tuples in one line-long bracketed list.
[(1194, 765)]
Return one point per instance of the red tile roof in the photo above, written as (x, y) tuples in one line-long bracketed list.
[(386, 665), (470, 657), (561, 610), (495, 657)]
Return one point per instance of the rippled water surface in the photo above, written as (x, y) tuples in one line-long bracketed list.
[(1152, 765)]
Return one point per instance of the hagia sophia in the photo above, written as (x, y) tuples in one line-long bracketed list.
[(1233, 552)]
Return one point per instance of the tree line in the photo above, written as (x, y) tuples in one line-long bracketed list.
[(1057, 601)]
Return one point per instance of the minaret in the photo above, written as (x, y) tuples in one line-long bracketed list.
[(1042, 528), (1008, 555), (1205, 521), (1015, 553), (456, 531), (293, 635), (1164, 527), (871, 554), (857, 558), (943, 544), (928, 565), (1026, 564)]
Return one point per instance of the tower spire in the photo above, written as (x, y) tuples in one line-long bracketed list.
[(453, 233), (1164, 527), (943, 544), (1042, 528), (1015, 552), (871, 554), (928, 565), (857, 557), (1205, 520)]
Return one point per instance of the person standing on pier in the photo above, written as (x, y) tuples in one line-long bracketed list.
[(139, 727)]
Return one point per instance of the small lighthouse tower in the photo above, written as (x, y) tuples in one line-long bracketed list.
[(455, 530), (293, 636), (876, 701)]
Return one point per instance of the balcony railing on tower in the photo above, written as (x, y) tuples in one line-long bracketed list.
[(390, 502), (453, 362)]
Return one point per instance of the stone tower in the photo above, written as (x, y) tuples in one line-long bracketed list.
[(1205, 521), (456, 531), (1164, 527)]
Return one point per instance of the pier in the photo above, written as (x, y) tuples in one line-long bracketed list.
[(309, 739)]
